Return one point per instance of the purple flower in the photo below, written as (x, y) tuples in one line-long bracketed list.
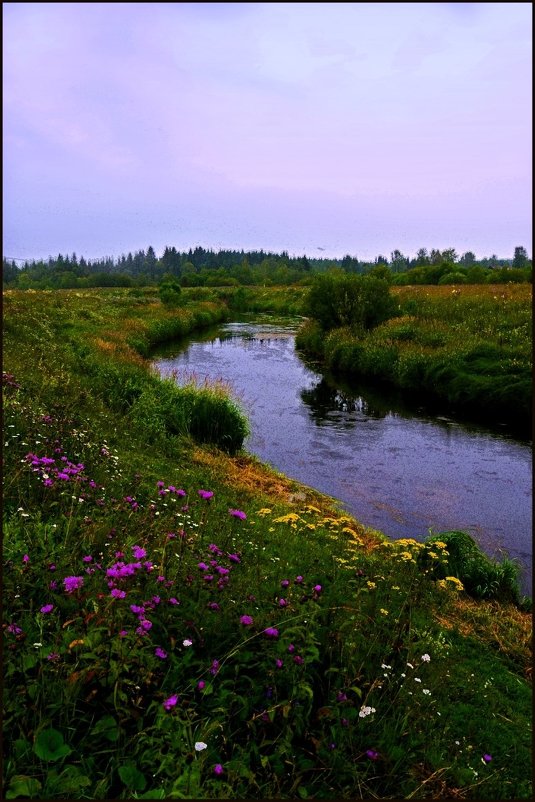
[(161, 653), (487, 758), (53, 656), (200, 685), (205, 494), (215, 549), (317, 588), (246, 620), (282, 602), (238, 514), (87, 559), (202, 566), (298, 580), (214, 606), (47, 608), (25, 559), (271, 632), (118, 594), (279, 663), (285, 583), (73, 583), (145, 624), (299, 660), (341, 697), (171, 702), (215, 667), (291, 648), (14, 629), (172, 600), (123, 633), (234, 558), (138, 552), (160, 484), (218, 769), (137, 609), (372, 754)]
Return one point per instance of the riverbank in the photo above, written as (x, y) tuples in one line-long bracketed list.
[(468, 347), (181, 622)]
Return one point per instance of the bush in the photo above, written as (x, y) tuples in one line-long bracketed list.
[(362, 302), (170, 291)]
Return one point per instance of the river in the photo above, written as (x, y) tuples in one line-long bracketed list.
[(395, 468)]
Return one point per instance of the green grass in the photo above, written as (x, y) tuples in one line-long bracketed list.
[(102, 701), (468, 347)]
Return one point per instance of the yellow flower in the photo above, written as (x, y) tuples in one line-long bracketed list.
[(434, 555), (311, 526), (455, 582), (439, 544), (290, 518), (264, 511), (396, 587), (383, 611), (371, 585), (310, 508)]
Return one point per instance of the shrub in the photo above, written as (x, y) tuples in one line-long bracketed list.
[(362, 302)]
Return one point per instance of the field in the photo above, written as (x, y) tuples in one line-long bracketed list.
[(468, 347), (181, 622)]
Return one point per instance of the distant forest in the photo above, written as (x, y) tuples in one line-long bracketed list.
[(207, 268)]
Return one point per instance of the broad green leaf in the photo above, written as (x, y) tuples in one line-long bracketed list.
[(49, 745), (21, 785), (107, 727), (132, 777)]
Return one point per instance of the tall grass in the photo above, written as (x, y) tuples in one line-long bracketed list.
[(469, 347)]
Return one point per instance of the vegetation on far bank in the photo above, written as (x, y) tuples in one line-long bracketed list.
[(469, 347), (181, 622)]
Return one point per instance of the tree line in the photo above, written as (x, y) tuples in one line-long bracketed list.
[(205, 267)]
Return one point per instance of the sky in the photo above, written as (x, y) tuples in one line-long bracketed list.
[(322, 129)]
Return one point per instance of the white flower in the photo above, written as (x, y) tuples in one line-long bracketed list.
[(384, 665), (410, 665), (426, 691), (417, 679), (200, 745), (365, 710), (426, 658), (187, 642)]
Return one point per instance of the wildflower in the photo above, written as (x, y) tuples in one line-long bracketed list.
[(47, 608), (282, 602), (291, 648), (383, 611), (271, 632), (246, 620), (486, 758), (279, 663), (410, 665), (73, 583), (138, 552), (426, 691), (238, 514), (317, 588), (332, 746), (161, 653), (200, 745), (214, 668), (365, 710), (25, 559), (341, 697), (187, 642), (136, 609), (172, 600), (87, 559), (218, 769), (171, 702), (417, 679), (14, 629), (426, 658), (200, 685), (298, 660), (285, 583), (123, 633), (206, 494), (372, 754), (52, 657), (214, 606), (118, 594), (235, 558), (298, 580), (202, 566), (371, 585)]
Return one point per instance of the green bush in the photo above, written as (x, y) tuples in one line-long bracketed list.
[(337, 299)]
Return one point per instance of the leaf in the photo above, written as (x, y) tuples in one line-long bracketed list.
[(107, 727), (303, 793), (49, 745), (132, 777), (21, 785)]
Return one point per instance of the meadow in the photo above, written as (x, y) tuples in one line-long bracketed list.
[(181, 622), (467, 347)]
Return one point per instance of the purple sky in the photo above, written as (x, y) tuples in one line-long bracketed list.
[(350, 127)]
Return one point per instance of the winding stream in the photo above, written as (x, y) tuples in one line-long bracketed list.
[(394, 468)]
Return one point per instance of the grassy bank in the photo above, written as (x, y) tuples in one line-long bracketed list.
[(181, 622), (468, 347)]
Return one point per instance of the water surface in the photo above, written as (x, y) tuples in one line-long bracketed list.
[(395, 468)]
